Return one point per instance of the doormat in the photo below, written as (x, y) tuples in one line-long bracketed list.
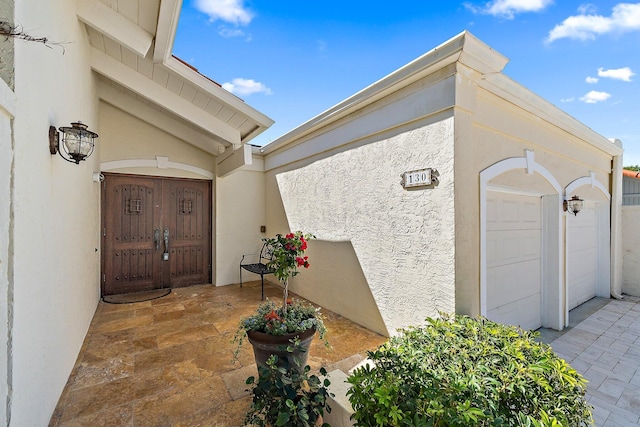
[(136, 296)]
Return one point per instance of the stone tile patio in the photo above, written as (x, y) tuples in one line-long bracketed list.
[(168, 362), (605, 348)]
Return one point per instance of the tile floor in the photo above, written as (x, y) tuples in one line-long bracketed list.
[(605, 349), (168, 362)]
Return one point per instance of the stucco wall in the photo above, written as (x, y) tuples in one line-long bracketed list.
[(399, 243), (631, 250), (240, 211), (124, 137), (56, 217)]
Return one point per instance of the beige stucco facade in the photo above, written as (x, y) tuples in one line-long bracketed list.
[(497, 119), (418, 252), (55, 218), (125, 139), (389, 238)]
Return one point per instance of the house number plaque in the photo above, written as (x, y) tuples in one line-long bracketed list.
[(419, 178)]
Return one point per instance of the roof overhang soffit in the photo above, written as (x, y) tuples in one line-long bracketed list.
[(110, 23), (149, 89), (164, 122)]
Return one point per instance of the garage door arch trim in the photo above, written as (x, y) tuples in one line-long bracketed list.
[(553, 306)]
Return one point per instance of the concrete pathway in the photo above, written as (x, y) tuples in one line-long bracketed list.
[(605, 349)]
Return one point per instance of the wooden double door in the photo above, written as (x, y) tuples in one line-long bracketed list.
[(156, 233)]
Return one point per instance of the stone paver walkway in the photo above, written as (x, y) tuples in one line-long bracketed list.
[(605, 349)]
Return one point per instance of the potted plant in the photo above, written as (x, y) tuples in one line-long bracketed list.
[(287, 329), (287, 396)]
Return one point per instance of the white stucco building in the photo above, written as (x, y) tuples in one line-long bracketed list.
[(490, 238)]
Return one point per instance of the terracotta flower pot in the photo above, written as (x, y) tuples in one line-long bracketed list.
[(264, 345)]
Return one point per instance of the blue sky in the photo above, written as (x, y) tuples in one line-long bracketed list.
[(292, 60)]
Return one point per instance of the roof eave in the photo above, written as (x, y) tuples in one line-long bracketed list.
[(168, 18)]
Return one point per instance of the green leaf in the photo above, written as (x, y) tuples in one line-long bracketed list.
[(283, 419)]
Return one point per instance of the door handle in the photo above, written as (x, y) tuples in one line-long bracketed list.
[(156, 238), (165, 256)]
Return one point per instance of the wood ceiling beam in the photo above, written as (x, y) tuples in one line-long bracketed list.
[(167, 23), (115, 26)]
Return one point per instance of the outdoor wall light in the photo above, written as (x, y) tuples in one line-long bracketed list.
[(573, 205), (78, 142)]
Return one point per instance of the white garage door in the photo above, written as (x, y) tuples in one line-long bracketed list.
[(514, 267), (582, 255)]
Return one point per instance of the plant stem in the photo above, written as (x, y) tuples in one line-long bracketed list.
[(285, 294)]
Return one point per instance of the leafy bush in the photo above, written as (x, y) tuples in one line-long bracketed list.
[(460, 371), (284, 396)]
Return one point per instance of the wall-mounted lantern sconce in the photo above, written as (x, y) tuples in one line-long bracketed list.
[(573, 205), (78, 142)]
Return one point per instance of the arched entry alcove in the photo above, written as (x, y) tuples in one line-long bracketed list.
[(521, 267)]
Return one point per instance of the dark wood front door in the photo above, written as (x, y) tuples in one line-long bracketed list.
[(156, 233)]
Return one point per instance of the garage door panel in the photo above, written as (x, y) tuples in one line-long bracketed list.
[(518, 313), (513, 266), (582, 255), (510, 284), (513, 212), (507, 247), (585, 218), (582, 238)]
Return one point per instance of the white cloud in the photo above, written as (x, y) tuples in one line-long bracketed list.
[(587, 25), (567, 99), (623, 74), (227, 32), (587, 9), (508, 8), (244, 87), (231, 11), (594, 96), (592, 80)]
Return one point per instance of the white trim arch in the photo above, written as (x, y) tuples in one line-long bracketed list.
[(553, 272), (587, 180), (159, 162)]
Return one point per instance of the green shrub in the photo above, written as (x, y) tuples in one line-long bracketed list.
[(460, 371)]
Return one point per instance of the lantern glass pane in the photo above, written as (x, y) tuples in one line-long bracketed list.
[(72, 142), (86, 145)]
